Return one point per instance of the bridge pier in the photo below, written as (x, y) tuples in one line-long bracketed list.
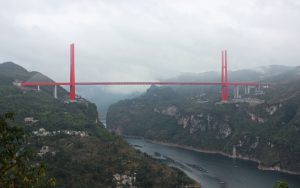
[(55, 92), (237, 92), (38, 88), (247, 90)]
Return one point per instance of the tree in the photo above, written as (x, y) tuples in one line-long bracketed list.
[(16, 166), (281, 184)]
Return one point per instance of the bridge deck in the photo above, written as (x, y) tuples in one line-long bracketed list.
[(139, 83)]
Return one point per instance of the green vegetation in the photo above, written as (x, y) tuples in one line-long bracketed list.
[(17, 167), (268, 131), (281, 184), (91, 160)]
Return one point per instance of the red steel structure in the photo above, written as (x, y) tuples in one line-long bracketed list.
[(224, 80), (224, 77), (72, 73)]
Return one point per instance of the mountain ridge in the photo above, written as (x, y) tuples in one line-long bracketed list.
[(262, 127), (68, 137)]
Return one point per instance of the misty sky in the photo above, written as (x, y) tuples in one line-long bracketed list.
[(145, 40)]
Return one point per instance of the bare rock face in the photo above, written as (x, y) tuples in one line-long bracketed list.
[(272, 109), (184, 121), (203, 123), (198, 122), (256, 118), (170, 111), (255, 144), (270, 144), (195, 122), (156, 110), (224, 131)]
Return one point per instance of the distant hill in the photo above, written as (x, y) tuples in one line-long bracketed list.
[(72, 142), (12, 70), (102, 97), (260, 127), (257, 74)]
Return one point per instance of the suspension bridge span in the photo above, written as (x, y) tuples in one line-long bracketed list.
[(224, 84)]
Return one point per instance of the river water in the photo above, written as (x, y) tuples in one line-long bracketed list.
[(214, 170)]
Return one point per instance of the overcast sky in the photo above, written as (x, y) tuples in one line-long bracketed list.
[(143, 40)]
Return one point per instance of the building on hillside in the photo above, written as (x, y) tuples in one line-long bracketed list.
[(125, 180), (30, 120), (43, 151)]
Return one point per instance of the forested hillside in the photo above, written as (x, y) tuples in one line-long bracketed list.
[(258, 127), (69, 139)]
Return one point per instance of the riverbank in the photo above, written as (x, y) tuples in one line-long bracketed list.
[(260, 166)]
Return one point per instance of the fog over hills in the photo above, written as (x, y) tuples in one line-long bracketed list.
[(262, 126), (104, 97)]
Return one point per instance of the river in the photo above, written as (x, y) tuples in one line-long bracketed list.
[(214, 170)]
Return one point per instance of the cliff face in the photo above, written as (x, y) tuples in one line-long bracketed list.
[(265, 127)]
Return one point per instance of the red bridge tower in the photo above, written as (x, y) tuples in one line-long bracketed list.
[(224, 78), (72, 74)]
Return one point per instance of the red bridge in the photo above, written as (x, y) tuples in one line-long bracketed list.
[(224, 80)]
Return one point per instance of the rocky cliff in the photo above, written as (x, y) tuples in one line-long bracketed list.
[(264, 128)]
